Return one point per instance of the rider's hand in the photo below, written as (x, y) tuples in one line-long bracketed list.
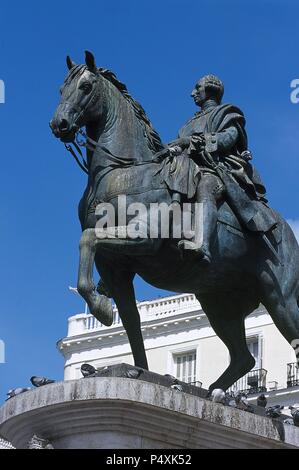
[(198, 141), (175, 150), (183, 142)]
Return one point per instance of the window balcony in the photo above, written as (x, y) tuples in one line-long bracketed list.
[(253, 382), (292, 374)]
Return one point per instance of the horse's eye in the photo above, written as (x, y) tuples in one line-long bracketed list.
[(86, 87)]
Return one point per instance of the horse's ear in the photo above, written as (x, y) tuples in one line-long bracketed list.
[(90, 61), (70, 64)]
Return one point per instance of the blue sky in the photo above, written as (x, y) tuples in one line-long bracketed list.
[(159, 49)]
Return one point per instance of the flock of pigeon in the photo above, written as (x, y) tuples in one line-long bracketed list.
[(36, 381), (238, 400), (241, 402)]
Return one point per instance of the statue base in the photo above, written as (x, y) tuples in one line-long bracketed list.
[(112, 412)]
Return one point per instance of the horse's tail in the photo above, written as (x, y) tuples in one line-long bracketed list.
[(290, 253)]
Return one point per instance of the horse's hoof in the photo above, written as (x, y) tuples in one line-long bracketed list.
[(102, 310)]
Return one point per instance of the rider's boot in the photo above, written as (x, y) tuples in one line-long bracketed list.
[(205, 227), (206, 232), (209, 191)]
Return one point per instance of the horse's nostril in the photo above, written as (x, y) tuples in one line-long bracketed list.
[(64, 125)]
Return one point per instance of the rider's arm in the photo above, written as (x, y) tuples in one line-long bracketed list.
[(176, 147), (182, 142), (221, 141), (214, 142)]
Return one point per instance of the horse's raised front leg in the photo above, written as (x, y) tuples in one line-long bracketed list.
[(100, 306)]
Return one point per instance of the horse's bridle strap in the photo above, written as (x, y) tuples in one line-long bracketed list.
[(82, 165)]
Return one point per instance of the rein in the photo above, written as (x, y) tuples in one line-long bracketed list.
[(83, 165), (92, 145)]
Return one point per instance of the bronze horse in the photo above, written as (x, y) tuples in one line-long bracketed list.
[(120, 161)]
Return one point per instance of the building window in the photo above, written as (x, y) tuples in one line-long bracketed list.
[(254, 346), (185, 366)]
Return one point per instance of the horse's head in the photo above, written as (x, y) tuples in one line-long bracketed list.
[(80, 103)]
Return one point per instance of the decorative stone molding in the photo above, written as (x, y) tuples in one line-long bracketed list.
[(4, 444), (119, 413)]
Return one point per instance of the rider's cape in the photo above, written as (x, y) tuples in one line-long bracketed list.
[(245, 191)]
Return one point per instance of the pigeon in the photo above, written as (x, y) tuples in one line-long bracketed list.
[(177, 387), (295, 415), (100, 372), (16, 391), (241, 400), (274, 411), (171, 377), (134, 373), (242, 403), (174, 382), (88, 371), (261, 401), (230, 400), (218, 396), (289, 421), (40, 381)]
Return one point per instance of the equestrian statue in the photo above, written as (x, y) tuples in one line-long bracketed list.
[(239, 254)]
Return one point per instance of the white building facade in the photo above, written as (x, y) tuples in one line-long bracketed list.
[(180, 341)]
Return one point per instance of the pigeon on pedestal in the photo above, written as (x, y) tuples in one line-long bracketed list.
[(16, 391), (295, 415), (261, 401), (242, 402), (40, 381), (218, 396), (274, 411), (230, 400), (88, 371)]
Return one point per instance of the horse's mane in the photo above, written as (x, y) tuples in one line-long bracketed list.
[(154, 140)]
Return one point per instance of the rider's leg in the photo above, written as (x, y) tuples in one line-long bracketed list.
[(208, 192)]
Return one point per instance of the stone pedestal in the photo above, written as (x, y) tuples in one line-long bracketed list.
[(124, 413)]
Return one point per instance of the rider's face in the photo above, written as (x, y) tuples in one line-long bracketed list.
[(199, 93)]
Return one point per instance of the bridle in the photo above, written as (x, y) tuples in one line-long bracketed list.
[(77, 143), (92, 145)]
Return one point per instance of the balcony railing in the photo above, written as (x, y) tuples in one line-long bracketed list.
[(91, 323), (152, 310), (253, 382), (292, 375)]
